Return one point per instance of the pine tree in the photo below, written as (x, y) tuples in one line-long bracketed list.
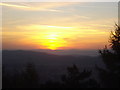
[(111, 58), (115, 40)]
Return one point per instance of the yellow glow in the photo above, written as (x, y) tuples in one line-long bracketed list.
[(58, 27), (45, 27), (49, 40), (57, 37), (53, 41), (51, 37)]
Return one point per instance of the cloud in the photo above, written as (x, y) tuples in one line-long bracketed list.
[(43, 28), (76, 16), (12, 5), (36, 6)]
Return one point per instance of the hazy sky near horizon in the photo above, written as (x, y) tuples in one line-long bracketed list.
[(69, 25)]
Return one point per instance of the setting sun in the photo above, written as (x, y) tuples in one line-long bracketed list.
[(53, 41)]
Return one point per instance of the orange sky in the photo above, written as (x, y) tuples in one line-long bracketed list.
[(57, 25)]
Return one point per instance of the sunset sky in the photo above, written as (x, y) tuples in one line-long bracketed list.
[(57, 26)]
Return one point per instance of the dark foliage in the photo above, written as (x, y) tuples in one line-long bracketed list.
[(25, 79), (77, 79), (29, 79), (111, 58), (115, 40)]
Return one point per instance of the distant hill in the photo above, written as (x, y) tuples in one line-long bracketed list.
[(73, 52), (49, 66)]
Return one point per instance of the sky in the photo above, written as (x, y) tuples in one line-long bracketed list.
[(48, 25)]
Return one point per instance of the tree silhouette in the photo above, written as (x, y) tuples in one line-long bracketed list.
[(6, 78), (115, 40), (111, 59), (30, 77), (74, 78)]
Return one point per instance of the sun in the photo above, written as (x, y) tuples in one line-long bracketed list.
[(52, 37), (53, 41)]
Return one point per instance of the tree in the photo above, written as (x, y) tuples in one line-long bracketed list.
[(111, 59), (23, 79), (115, 40), (6, 79), (74, 78), (30, 77)]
